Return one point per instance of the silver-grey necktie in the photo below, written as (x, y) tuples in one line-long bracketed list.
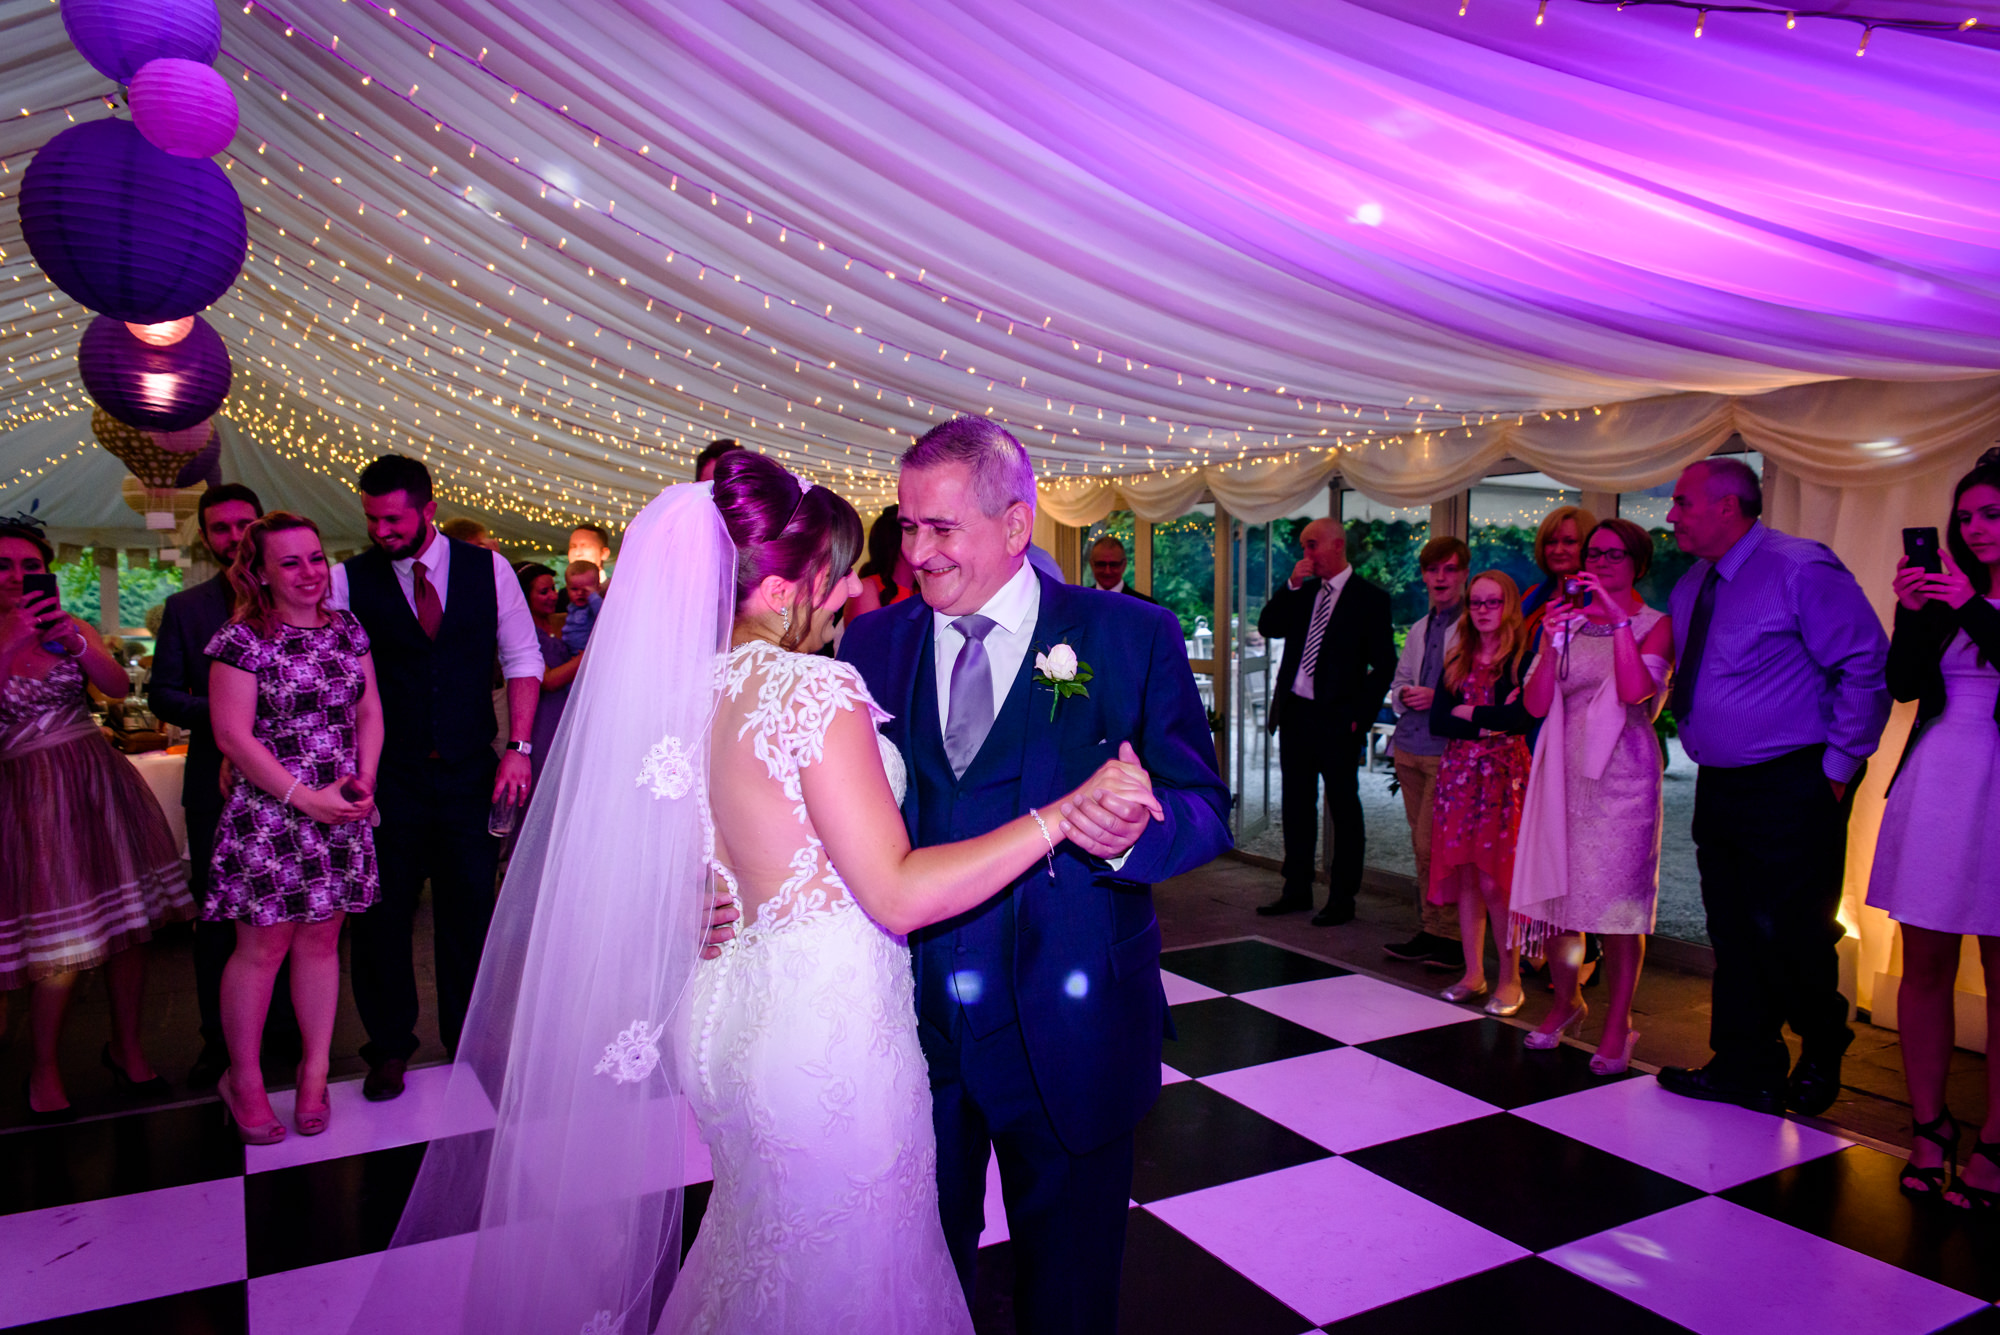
[(970, 714)]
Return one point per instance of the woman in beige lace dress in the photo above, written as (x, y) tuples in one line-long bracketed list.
[(1588, 859)]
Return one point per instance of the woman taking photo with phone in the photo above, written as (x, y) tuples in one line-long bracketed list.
[(1482, 780), (1937, 859), (88, 866), (1589, 857), (292, 696)]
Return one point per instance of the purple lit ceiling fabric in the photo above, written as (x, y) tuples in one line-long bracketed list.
[(1149, 217)]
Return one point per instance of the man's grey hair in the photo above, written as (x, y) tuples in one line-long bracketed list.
[(1106, 540), (1726, 476), (1001, 472)]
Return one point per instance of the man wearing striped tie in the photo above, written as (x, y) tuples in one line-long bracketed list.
[(1340, 655)]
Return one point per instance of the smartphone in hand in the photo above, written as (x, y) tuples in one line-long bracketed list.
[(1920, 545), (43, 585)]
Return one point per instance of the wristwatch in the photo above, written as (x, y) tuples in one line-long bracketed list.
[(525, 748)]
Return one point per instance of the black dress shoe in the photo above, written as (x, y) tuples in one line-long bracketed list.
[(385, 1081), (1815, 1081), (1705, 1082), (208, 1068), (1282, 905), (1415, 950), (1337, 913), (128, 1088)]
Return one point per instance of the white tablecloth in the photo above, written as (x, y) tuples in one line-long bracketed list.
[(163, 774)]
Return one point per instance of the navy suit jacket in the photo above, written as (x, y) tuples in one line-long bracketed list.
[(1085, 954), (178, 689)]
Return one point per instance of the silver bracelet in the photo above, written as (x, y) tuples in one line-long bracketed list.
[(1046, 839), (286, 800)]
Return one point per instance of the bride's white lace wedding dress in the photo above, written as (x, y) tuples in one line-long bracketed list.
[(798, 1049)]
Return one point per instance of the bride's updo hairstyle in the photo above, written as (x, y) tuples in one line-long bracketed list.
[(811, 538)]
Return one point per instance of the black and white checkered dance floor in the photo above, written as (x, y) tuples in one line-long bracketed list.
[(1331, 1152)]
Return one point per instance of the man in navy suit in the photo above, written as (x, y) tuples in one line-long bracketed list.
[(1041, 1011)]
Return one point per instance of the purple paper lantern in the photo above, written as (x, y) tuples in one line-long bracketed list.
[(188, 440), (117, 37), (206, 466), (183, 107), (130, 231), (155, 389)]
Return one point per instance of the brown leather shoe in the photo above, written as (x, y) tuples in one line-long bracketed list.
[(385, 1082)]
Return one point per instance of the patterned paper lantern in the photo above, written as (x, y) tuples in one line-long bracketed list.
[(117, 37), (154, 468), (188, 440), (127, 230), (157, 389), (183, 107)]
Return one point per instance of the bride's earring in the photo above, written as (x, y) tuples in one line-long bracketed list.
[(785, 626)]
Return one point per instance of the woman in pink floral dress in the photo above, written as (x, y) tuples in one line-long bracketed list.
[(1482, 782)]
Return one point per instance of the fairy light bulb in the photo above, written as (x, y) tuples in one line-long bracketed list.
[(163, 335), (1866, 33), (1542, 13), (1700, 21)]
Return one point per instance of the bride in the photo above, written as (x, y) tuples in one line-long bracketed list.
[(705, 735)]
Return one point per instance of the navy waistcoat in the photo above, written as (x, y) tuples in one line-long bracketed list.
[(437, 695), (966, 965)]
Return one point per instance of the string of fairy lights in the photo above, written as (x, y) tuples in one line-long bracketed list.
[(1867, 23)]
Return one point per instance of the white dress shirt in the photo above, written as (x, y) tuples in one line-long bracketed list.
[(1329, 592), (1013, 611), (520, 652)]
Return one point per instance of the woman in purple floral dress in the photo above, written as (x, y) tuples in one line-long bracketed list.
[(292, 694)]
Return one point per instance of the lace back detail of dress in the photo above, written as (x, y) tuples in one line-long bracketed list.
[(780, 705)]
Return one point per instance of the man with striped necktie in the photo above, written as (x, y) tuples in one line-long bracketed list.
[(1340, 655)]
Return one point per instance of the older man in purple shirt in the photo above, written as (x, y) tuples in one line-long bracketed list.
[(1780, 699)]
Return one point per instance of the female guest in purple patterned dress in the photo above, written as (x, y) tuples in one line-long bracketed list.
[(88, 866), (292, 695)]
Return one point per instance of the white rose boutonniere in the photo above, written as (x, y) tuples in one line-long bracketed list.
[(1063, 673)]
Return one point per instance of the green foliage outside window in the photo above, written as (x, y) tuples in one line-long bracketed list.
[(139, 588)]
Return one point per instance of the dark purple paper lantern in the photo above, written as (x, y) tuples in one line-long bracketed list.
[(203, 466), (183, 107), (118, 36), (129, 231), (155, 389)]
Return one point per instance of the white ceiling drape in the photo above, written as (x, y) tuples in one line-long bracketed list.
[(557, 248)]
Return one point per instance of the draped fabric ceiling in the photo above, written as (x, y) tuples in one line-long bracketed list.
[(557, 248)]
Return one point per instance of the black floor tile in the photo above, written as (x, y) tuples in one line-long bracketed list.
[(694, 1205), (1513, 1299), (335, 1209), (1245, 966), (116, 1156), (1986, 1321), (1169, 1285), (1490, 1061), (1522, 1181), (222, 1310), (1851, 1198), (1195, 1138), (1224, 1034)]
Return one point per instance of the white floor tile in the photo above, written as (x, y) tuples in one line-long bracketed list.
[(1169, 1076), (996, 1207), (325, 1299), (1346, 1099), (1712, 1146), (1181, 990), (433, 1105), (1330, 1239), (1355, 1009), (125, 1249), (1720, 1269)]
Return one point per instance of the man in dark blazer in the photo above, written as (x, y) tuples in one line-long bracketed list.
[(1107, 567), (177, 691), (1041, 1011), (1340, 655)]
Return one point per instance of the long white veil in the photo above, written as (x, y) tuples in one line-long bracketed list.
[(556, 1206)]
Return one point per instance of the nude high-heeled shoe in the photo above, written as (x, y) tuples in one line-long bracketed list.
[(270, 1133), (1574, 1020), (1601, 1064), (310, 1121)]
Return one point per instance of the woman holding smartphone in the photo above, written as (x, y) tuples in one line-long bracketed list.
[(1937, 859), (88, 866), (292, 696)]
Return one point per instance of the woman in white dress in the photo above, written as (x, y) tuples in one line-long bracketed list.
[(704, 734), (1937, 860)]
